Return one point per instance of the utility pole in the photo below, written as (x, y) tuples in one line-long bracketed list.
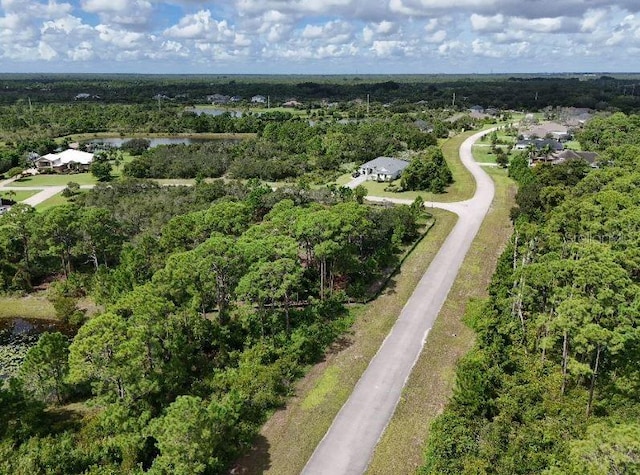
[(268, 102), (368, 102), (453, 101)]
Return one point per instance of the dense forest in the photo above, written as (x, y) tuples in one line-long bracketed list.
[(215, 298), (551, 385), (505, 92)]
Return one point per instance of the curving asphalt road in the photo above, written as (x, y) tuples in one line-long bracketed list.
[(349, 443)]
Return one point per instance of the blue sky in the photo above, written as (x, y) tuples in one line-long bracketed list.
[(319, 36)]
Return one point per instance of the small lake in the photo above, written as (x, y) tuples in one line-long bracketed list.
[(18, 335), (214, 112), (155, 141)]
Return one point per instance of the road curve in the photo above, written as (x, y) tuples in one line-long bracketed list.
[(349, 443)]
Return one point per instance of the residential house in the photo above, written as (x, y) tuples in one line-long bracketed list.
[(218, 99), (539, 145), (383, 169), (259, 99), (65, 161), (560, 157), (292, 103)]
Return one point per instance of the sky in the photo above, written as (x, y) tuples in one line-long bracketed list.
[(319, 36)]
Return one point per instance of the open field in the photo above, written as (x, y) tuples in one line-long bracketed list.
[(290, 436), (433, 376), (36, 306), (32, 306), (17, 195), (56, 180)]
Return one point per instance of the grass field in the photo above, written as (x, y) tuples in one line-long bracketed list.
[(36, 305), (482, 153), (51, 202), (31, 306), (56, 180), (290, 436), (432, 379), (17, 195)]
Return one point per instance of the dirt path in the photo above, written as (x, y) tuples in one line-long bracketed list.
[(348, 445)]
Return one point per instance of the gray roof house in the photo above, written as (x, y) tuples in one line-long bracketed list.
[(383, 169)]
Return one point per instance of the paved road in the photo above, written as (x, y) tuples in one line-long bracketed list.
[(349, 444)]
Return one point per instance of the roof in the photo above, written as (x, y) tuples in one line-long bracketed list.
[(68, 156), (540, 144), (589, 157), (386, 165)]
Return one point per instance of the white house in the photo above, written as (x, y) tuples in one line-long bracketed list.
[(64, 161), (383, 169), (258, 99)]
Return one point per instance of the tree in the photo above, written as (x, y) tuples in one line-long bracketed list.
[(135, 146), (46, 366), (428, 171), (14, 172), (101, 236), (187, 436), (96, 357), (272, 281), (59, 228), (101, 169)]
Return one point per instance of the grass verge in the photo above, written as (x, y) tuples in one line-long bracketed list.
[(432, 379), (288, 439), (55, 200)]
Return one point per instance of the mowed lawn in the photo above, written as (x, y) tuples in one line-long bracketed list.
[(482, 153), (56, 180), (51, 202), (17, 195)]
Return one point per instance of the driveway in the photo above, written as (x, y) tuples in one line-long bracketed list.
[(359, 180), (348, 445)]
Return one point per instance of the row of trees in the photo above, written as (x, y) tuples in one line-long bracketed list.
[(550, 386)]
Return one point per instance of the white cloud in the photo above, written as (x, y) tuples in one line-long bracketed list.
[(46, 52), (487, 23), (540, 25)]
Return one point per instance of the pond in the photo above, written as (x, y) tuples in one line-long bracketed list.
[(17, 335), (155, 141), (214, 112)]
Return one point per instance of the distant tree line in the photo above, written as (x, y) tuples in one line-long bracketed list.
[(505, 92)]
